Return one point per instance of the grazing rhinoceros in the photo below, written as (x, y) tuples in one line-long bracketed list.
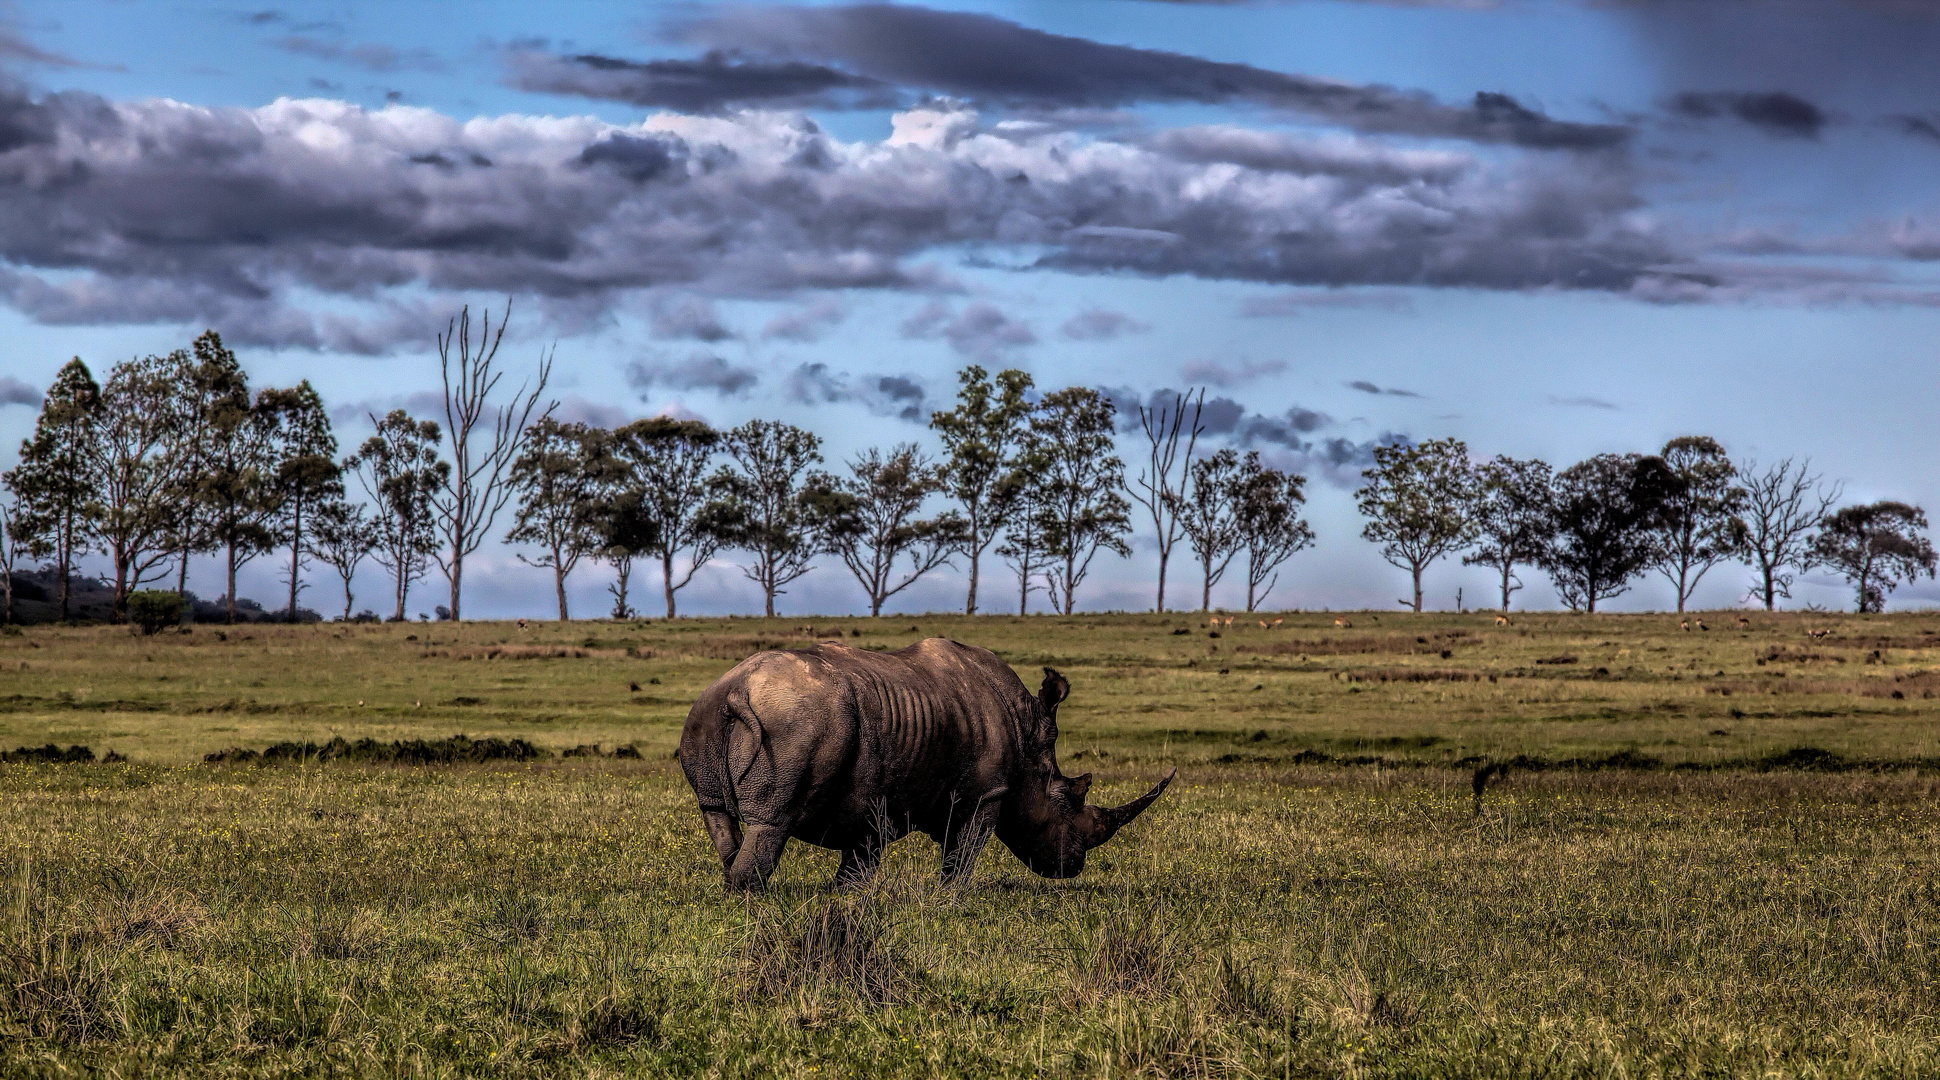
[(852, 750)]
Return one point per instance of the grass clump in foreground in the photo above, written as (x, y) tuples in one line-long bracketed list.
[(1709, 853)]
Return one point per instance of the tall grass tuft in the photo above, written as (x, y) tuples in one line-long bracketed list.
[(1139, 950), (840, 941), (55, 983)]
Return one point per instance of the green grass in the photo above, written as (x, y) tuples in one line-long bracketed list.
[(1267, 917)]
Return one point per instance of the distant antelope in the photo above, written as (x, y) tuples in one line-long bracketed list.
[(1744, 623), (1817, 635), (1342, 623), (1229, 621), (1701, 626), (520, 623), (1277, 622), (1684, 625), (1503, 620), (1263, 625)]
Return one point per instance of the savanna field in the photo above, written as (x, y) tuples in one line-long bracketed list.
[(1712, 852)]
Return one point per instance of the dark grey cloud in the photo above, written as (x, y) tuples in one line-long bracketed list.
[(1222, 374), (577, 410), (1277, 152), (1774, 113), (699, 371), (713, 82), (1100, 324), (686, 316), (808, 322), (885, 395), (989, 59), (382, 59), (979, 331), (1920, 127), (1581, 401), (1366, 387), (15, 392)]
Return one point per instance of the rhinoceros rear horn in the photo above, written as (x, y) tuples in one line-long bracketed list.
[(1106, 821)]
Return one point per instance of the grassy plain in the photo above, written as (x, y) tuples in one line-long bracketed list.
[(1320, 893)]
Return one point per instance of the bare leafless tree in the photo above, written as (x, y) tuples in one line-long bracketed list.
[(1162, 482), (475, 490), (1783, 507)]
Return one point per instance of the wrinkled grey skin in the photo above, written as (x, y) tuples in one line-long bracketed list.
[(852, 750)]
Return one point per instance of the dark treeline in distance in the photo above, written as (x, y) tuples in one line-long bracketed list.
[(174, 457)]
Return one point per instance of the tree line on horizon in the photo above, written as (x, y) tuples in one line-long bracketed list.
[(173, 457)]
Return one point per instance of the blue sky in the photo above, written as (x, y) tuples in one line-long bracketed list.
[(1558, 228)]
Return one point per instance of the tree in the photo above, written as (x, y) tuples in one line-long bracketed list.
[(400, 471), (1783, 507), (55, 481), (306, 471), (668, 460), (1076, 498), (1207, 511), (625, 531), (210, 383), (1698, 525), (140, 481), (1605, 528), (559, 477), (1418, 502), (1514, 511), (9, 556), (1268, 503), (1023, 548), (237, 462), (473, 491), (763, 506), (981, 440), (341, 536), (1163, 482), (1875, 547), (871, 524)]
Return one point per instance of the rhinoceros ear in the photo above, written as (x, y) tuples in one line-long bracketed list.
[(1055, 689)]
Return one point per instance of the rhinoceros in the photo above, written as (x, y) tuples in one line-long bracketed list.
[(852, 750)]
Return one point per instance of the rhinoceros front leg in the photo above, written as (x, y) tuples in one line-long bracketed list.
[(964, 840), (759, 852), (859, 864)]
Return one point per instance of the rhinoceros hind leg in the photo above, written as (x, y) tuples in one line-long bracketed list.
[(759, 852), (726, 834)]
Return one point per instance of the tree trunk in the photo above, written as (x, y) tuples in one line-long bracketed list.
[(121, 586), (232, 582), (559, 586), (1506, 567), (1682, 573), (348, 599), (667, 579), (1165, 555), (296, 555), (1205, 591), (1024, 589), (1417, 573), (182, 574), (970, 602), (457, 578), (403, 589), (1771, 589)]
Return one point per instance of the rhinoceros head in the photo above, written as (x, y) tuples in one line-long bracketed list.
[(1046, 821)]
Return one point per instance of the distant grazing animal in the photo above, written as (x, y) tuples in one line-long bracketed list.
[(1744, 623), (1342, 623), (1229, 620), (1684, 624), (1263, 625), (852, 750), (1817, 635), (1277, 622), (520, 623), (1502, 620), (1701, 626)]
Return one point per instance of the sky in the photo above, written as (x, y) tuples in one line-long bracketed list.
[(1550, 229)]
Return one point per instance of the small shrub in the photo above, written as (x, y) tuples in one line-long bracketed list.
[(154, 610)]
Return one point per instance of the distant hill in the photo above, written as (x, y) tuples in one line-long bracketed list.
[(37, 599)]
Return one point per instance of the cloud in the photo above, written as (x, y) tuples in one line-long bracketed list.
[(714, 82), (980, 331), (1919, 127), (699, 371), (886, 395), (1366, 387), (577, 410), (1581, 402), (676, 317), (1223, 375), (382, 59), (807, 323), (15, 392), (1776, 113), (988, 59), (1099, 324), (1296, 303), (15, 47)]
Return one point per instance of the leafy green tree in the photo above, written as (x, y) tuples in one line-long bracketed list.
[(400, 471), (765, 508), (1514, 512), (625, 531), (1875, 547), (55, 481), (306, 474), (1784, 505), (981, 438), (210, 386), (1699, 525), (1023, 548), (341, 536), (1165, 480), (1208, 512), (1418, 503), (1606, 526), (870, 520), (140, 480), (239, 457), (1271, 529), (1076, 498), (667, 460), (485, 437), (559, 479)]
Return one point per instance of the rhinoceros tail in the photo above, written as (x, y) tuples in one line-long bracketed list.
[(720, 744)]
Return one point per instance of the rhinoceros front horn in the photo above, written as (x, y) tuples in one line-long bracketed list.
[(1106, 821)]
